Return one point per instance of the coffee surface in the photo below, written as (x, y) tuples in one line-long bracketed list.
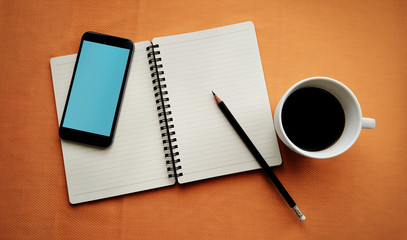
[(313, 118)]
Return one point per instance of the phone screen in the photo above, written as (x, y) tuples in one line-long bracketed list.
[(96, 87)]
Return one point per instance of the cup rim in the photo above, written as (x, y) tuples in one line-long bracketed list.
[(317, 154)]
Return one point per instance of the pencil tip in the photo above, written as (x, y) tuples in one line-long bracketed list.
[(217, 99)]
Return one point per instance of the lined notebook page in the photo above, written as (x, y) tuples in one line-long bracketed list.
[(225, 60), (135, 161)]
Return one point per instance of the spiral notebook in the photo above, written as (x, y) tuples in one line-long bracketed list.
[(170, 128)]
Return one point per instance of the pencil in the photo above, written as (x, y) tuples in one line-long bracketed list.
[(258, 157)]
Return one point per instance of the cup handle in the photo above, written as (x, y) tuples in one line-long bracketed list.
[(368, 123)]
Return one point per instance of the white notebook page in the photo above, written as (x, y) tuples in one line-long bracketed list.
[(135, 161), (225, 60)]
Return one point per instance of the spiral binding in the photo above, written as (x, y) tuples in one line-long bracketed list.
[(164, 113)]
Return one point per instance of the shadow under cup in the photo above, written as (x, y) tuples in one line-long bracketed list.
[(351, 109)]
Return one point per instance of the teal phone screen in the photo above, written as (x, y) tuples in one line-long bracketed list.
[(96, 88)]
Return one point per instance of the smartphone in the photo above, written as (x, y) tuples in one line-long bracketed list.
[(96, 91)]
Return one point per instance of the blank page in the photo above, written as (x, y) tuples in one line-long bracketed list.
[(225, 60), (135, 161)]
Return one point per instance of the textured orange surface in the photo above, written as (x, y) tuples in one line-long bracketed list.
[(361, 194)]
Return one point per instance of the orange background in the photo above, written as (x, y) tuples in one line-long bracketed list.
[(361, 194)]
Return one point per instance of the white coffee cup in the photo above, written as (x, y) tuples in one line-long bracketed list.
[(354, 121)]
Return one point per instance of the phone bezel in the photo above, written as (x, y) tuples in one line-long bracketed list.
[(87, 137)]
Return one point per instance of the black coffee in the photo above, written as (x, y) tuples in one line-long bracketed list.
[(313, 118)]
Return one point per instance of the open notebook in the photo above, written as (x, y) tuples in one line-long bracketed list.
[(170, 128)]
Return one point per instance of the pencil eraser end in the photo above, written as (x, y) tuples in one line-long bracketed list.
[(298, 212)]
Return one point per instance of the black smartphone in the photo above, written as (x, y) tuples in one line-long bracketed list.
[(96, 91)]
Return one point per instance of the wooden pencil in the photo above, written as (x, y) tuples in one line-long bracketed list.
[(258, 156)]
